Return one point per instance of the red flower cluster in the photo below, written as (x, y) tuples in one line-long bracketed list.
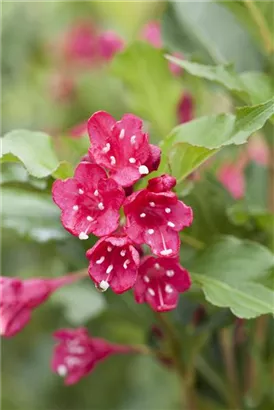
[(91, 202), (83, 44)]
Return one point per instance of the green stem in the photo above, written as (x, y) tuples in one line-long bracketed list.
[(260, 22), (195, 243), (185, 377), (230, 367), (212, 378)]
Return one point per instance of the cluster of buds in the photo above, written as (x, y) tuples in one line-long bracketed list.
[(99, 200)]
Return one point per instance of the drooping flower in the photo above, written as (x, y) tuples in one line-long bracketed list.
[(232, 177), (109, 43), (76, 354), (89, 201), (114, 262), (120, 146), (20, 297), (159, 283), (155, 218), (185, 108)]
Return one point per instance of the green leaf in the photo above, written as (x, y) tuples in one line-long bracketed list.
[(194, 28), (154, 91), (259, 87), (183, 158), (222, 74), (35, 151), (31, 214), (231, 273), (81, 302), (240, 10), (190, 144), (216, 131), (209, 200)]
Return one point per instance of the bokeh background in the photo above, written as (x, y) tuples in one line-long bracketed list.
[(44, 88)]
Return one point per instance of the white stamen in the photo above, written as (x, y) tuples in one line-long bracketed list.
[(132, 160), (75, 207), (168, 289), (157, 266), (168, 210), (151, 292), (103, 285), (106, 148), (122, 134), (133, 139), (109, 248), (150, 231), (152, 204), (171, 224), (83, 236), (96, 192), (112, 160), (143, 215), (101, 206), (126, 263), (89, 218), (166, 252), (109, 269), (143, 170), (146, 279), (72, 361), (123, 252), (76, 349), (80, 191), (101, 260), (170, 273), (62, 370)]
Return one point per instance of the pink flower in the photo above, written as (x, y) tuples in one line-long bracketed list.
[(232, 177), (185, 110), (120, 146), (152, 34), (76, 354), (258, 151), (114, 262), (159, 283), (155, 218), (109, 44), (20, 297), (79, 130), (89, 201), (175, 68), (154, 158), (80, 43), (161, 184)]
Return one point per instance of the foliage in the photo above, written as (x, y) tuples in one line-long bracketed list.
[(225, 52)]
